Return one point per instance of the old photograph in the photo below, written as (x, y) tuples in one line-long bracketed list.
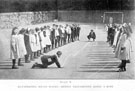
[(67, 39)]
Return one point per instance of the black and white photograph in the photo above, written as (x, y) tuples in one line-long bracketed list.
[(86, 40)]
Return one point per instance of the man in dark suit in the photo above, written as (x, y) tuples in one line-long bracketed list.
[(92, 35), (45, 61)]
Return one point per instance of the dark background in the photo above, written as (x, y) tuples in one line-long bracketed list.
[(48, 5)]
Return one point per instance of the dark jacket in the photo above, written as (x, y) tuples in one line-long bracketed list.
[(53, 34), (53, 58), (27, 44), (92, 35)]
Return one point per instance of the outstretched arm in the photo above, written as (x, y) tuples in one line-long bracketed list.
[(57, 62)]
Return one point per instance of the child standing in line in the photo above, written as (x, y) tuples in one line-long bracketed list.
[(53, 36), (14, 47), (45, 40), (27, 45), (38, 41), (21, 46), (41, 40), (32, 43), (48, 41)]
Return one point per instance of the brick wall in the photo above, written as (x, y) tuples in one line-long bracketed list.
[(9, 20)]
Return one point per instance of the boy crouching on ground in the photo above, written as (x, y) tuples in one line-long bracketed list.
[(46, 62)]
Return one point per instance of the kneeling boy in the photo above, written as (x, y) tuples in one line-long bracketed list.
[(46, 62)]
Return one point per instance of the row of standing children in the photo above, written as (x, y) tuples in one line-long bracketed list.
[(29, 43), (119, 37)]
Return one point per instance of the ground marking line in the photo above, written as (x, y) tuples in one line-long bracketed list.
[(65, 60), (81, 49), (101, 68)]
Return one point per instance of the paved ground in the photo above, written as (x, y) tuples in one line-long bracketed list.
[(80, 60)]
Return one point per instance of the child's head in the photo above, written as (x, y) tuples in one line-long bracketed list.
[(59, 53), (37, 29), (91, 30), (41, 28), (32, 31), (14, 31), (48, 27), (22, 31)]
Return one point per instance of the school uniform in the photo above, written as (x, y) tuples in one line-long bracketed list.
[(14, 53), (72, 34), (75, 33), (28, 47), (60, 36), (78, 32), (37, 41), (65, 36), (119, 45), (119, 36), (116, 37), (42, 40), (68, 31), (33, 46), (38, 46), (57, 37), (53, 37), (33, 42), (112, 33), (21, 46), (125, 54), (47, 38)]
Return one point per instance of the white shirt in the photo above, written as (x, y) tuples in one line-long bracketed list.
[(68, 29)]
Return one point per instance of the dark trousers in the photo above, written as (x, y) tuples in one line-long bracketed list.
[(68, 38), (72, 37), (111, 40), (89, 37), (78, 36), (56, 42), (62, 41), (46, 63), (58, 39), (123, 64), (53, 41)]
